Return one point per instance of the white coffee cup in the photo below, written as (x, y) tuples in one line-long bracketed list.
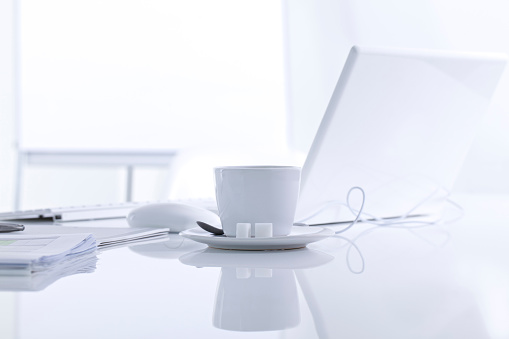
[(257, 194)]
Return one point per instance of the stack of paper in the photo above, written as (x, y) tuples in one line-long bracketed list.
[(41, 254), (22, 254), (41, 278)]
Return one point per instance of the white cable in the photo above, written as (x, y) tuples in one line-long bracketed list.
[(404, 221), (399, 222), (351, 210)]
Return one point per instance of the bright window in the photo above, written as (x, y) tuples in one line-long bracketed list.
[(151, 74)]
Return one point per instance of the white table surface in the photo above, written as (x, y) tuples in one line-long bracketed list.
[(449, 281)]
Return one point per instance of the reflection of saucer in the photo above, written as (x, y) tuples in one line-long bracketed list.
[(298, 238), (298, 259)]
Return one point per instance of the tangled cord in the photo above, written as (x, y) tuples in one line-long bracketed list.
[(359, 213), (402, 221)]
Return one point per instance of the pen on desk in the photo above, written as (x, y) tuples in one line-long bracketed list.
[(10, 227)]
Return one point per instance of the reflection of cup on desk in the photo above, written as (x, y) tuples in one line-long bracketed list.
[(254, 299), (257, 194), (257, 290)]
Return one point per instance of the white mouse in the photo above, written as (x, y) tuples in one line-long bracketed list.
[(177, 217)]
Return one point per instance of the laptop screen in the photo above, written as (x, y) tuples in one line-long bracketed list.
[(399, 124)]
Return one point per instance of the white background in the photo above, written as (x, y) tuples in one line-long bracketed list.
[(155, 74), (126, 75)]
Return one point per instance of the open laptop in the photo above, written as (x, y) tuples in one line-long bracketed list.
[(399, 124)]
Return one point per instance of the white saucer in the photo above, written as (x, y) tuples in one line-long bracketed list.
[(298, 238)]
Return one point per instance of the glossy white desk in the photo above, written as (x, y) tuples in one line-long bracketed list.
[(448, 281)]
